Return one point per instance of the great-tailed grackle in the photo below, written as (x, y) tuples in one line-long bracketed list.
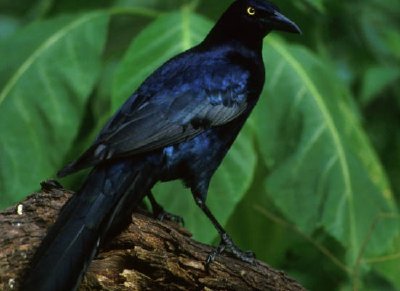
[(179, 124)]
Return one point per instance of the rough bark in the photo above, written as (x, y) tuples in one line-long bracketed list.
[(148, 255)]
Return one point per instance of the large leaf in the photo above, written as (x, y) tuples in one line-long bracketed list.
[(47, 72), (389, 265), (163, 39), (8, 25), (376, 79), (324, 173), (166, 37)]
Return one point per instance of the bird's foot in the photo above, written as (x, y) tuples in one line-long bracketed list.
[(228, 245), (49, 185), (163, 215), (160, 214)]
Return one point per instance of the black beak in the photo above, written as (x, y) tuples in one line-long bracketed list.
[(281, 22)]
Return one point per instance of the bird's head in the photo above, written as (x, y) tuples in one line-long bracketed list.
[(263, 15), (260, 15), (251, 20)]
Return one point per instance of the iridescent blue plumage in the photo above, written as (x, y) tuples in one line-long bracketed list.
[(179, 124)]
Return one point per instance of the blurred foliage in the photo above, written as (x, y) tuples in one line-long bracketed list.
[(312, 184)]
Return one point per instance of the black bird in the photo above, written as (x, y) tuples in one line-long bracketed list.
[(179, 124)]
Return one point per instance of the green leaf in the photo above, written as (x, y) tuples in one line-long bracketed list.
[(389, 264), (377, 79), (53, 66), (323, 170), (151, 4), (8, 26), (317, 4), (392, 40), (166, 37), (380, 31)]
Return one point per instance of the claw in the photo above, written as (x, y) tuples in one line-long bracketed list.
[(163, 215), (49, 185), (226, 243), (211, 257), (160, 214)]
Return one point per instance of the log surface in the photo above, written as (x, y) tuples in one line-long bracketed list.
[(148, 255)]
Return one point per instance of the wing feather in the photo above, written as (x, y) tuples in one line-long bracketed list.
[(150, 121)]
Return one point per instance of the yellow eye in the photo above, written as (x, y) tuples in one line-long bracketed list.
[(251, 11)]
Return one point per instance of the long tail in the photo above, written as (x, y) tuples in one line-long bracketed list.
[(110, 192)]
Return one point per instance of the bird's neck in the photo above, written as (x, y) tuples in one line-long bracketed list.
[(223, 34)]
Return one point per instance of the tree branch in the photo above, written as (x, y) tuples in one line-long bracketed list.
[(148, 255)]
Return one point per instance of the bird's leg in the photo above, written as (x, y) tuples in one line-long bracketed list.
[(160, 213), (226, 242)]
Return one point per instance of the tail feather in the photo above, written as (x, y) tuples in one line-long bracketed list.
[(73, 241)]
